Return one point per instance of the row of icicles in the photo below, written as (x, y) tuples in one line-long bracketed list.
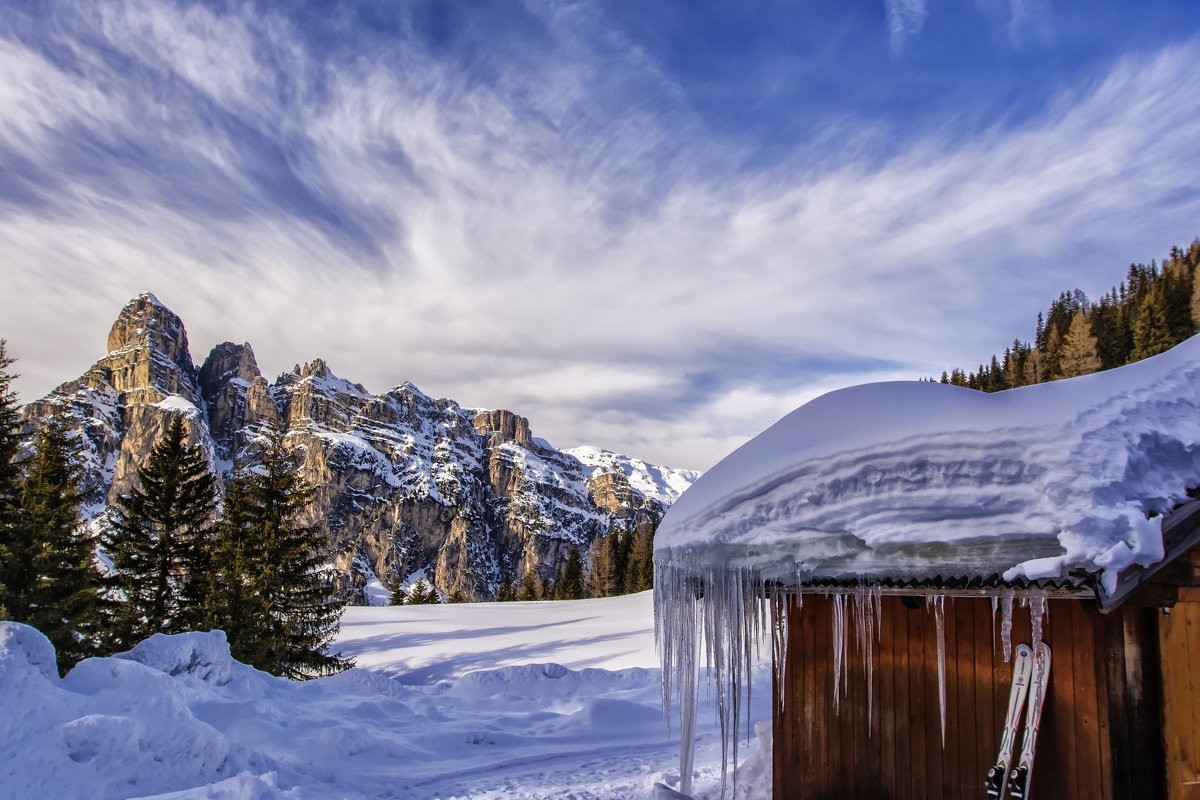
[(730, 613)]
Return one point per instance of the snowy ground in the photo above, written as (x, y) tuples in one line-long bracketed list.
[(515, 700)]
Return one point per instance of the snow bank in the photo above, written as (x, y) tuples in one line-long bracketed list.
[(920, 480), (462, 700), (110, 729)]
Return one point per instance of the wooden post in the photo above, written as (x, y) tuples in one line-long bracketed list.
[(1131, 659)]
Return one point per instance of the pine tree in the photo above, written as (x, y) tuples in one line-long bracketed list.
[(505, 592), (529, 589), (1079, 352), (570, 585), (296, 613), (1151, 334), (1051, 355), (456, 596), (639, 575), (158, 541), (1194, 303), (601, 577), (1109, 331), (10, 473), (234, 600), (1175, 283), (399, 596), (50, 576), (422, 594)]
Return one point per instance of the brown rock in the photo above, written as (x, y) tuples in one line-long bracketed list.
[(502, 426)]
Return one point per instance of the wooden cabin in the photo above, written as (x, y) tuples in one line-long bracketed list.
[(1121, 717)]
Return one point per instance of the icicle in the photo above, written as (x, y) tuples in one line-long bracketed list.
[(995, 604), (938, 605), (877, 590), (1006, 611), (871, 638), (839, 646), (779, 640), (865, 618), (725, 611), (676, 630), (1037, 608)]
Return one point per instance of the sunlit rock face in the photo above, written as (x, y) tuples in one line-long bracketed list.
[(405, 484), (124, 402)]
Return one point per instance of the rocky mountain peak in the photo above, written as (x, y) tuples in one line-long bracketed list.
[(317, 368), (148, 358), (238, 398), (146, 322), (228, 361), (501, 426)]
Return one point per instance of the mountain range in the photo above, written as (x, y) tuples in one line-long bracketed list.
[(406, 485)]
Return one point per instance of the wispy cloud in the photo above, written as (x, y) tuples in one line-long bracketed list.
[(552, 229), (905, 19)]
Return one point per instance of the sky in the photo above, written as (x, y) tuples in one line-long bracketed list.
[(651, 227)]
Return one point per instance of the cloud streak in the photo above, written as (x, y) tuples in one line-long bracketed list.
[(905, 19), (552, 230)]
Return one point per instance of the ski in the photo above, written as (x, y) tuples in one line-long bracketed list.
[(1018, 779), (997, 775)]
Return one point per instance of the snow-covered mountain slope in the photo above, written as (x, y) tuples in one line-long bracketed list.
[(544, 700), (659, 483), (923, 480), (406, 484)]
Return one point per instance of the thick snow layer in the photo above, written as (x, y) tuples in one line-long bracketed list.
[(174, 402), (924, 479), (514, 700)]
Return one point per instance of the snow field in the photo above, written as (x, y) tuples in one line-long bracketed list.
[(512, 700)]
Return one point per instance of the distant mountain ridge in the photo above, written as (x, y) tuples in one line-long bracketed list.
[(405, 484)]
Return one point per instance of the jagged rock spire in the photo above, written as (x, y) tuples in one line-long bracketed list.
[(148, 356), (146, 322), (236, 395)]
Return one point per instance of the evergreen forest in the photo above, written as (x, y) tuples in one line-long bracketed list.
[(1153, 309)]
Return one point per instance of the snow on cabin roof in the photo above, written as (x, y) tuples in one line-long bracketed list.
[(917, 481)]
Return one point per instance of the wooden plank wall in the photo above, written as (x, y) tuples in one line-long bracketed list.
[(1179, 645), (895, 749)]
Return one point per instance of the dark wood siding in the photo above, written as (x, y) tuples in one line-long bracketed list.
[(1093, 741), (1179, 645)]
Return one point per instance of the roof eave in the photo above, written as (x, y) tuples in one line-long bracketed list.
[(1180, 532)]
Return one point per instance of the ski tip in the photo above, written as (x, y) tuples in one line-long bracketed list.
[(1024, 650)]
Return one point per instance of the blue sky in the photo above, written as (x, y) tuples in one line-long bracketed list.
[(653, 227)]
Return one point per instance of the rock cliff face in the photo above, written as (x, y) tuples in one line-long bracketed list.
[(406, 484)]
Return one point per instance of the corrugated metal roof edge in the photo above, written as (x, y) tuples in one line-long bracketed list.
[(1079, 585)]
